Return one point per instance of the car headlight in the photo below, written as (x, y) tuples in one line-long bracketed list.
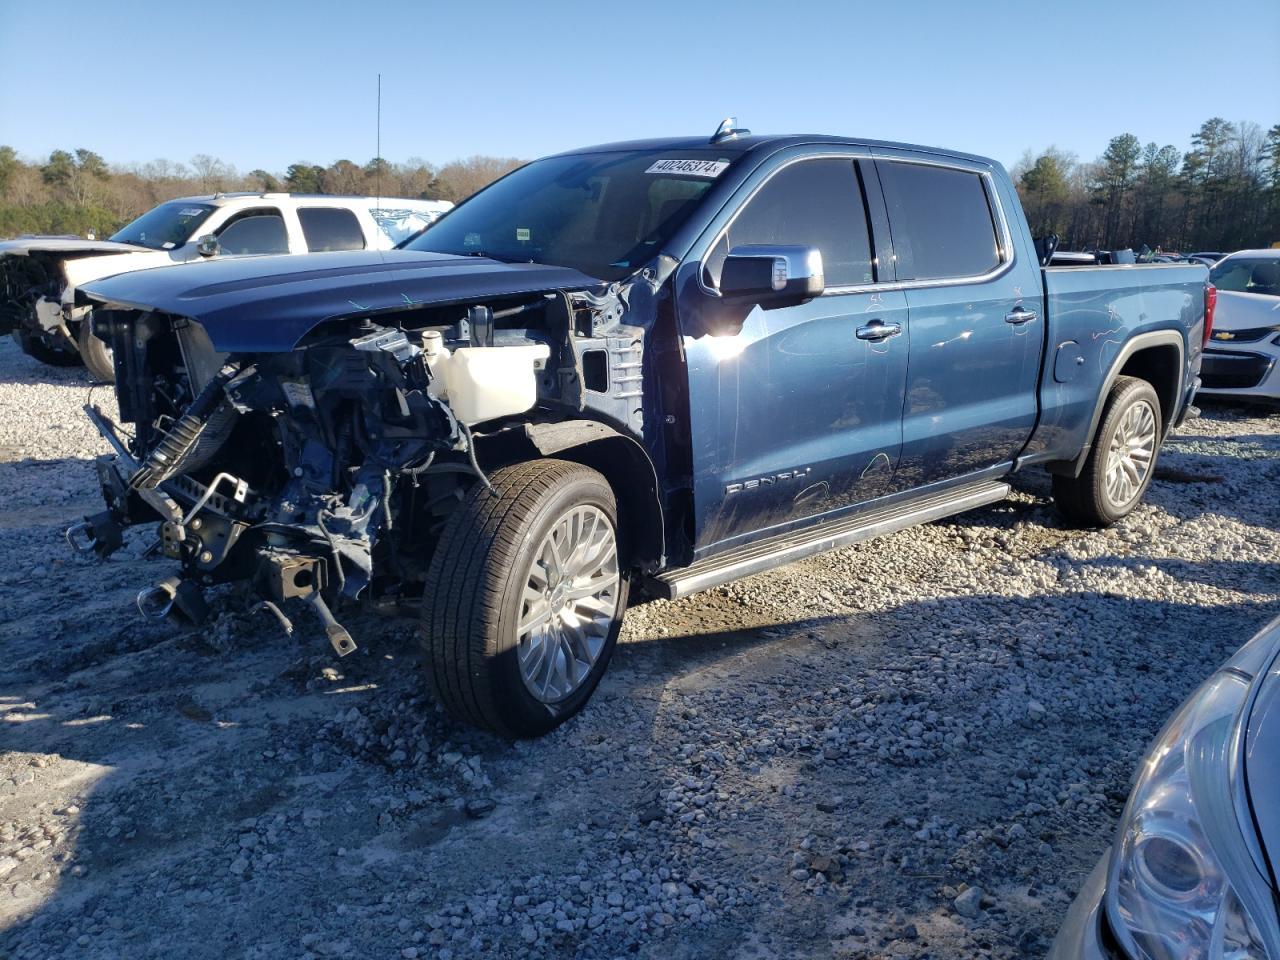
[(1185, 880)]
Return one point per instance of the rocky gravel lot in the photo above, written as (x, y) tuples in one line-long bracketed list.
[(915, 747)]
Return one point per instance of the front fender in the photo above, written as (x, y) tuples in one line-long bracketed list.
[(627, 467)]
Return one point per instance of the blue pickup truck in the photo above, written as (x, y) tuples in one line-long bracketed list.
[(644, 368)]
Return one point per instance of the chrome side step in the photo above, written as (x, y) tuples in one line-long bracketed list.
[(777, 551)]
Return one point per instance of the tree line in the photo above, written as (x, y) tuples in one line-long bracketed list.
[(77, 191), (1221, 195)]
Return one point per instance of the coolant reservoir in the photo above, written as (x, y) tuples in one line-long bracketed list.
[(488, 382), (437, 356)]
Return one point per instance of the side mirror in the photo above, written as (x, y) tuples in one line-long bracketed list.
[(772, 276), (208, 246)]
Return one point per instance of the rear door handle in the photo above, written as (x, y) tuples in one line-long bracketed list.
[(1020, 316), (878, 330)]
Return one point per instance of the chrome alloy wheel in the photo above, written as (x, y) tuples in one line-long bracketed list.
[(569, 604), (1129, 455)]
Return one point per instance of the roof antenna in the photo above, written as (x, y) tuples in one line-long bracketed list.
[(377, 160), (728, 130)]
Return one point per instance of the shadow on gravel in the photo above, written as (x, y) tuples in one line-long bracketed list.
[(45, 493), (223, 813), (228, 792), (1229, 410), (983, 739)]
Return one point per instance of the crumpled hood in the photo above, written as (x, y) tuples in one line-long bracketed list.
[(66, 246), (268, 304), (1262, 762)]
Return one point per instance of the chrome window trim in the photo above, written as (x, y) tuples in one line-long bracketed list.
[(1004, 237)]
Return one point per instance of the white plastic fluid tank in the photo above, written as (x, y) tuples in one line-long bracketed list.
[(488, 382), (437, 355)]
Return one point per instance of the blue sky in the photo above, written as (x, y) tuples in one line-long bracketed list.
[(269, 83)]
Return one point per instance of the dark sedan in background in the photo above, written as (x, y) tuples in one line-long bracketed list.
[(1192, 874)]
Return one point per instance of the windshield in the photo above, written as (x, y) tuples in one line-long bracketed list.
[(165, 227), (1248, 275), (605, 214)]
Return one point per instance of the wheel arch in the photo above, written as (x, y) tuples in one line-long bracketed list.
[(1146, 356), (620, 459)]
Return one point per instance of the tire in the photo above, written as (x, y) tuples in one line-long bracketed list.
[(490, 560), (37, 348), (1113, 482), (95, 353)]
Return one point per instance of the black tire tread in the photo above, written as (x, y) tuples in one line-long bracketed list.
[(94, 354), (1081, 500), (466, 579)]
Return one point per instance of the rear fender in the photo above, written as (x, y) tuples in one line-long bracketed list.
[(1143, 341)]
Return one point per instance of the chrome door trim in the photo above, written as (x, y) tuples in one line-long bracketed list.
[(1008, 256)]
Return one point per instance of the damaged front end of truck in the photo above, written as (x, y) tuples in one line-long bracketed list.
[(310, 445)]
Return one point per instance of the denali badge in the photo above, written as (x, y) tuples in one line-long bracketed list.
[(756, 483)]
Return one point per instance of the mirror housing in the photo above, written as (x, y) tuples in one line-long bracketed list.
[(208, 246), (772, 275)]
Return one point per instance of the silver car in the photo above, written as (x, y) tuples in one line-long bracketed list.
[(1242, 358), (1192, 874)]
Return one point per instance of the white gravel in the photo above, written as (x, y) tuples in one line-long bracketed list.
[(914, 747)]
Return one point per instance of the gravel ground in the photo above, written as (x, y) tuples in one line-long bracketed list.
[(916, 747)]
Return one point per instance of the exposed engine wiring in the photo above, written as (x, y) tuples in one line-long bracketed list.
[(471, 456)]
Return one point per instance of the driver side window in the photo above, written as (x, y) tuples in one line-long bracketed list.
[(811, 203), (254, 232)]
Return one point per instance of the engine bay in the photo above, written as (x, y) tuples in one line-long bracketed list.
[(325, 473)]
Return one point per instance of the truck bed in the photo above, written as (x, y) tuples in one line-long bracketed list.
[(1097, 317)]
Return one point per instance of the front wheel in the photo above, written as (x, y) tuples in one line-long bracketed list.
[(1121, 461), (95, 353), (525, 597)]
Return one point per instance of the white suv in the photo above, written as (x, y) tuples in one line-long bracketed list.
[(39, 275)]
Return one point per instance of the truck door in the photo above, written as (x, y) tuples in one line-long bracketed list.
[(800, 412), (976, 333)]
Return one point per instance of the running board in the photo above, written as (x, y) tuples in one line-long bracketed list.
[(776, 551)]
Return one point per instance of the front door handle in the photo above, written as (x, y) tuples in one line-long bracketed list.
[(878, 330), (1020, 316)]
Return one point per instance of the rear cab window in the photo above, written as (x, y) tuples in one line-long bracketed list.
[(815, 202), (942, 219), (330, 228)]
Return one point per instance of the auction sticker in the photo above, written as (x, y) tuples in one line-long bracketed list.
[(690, 168)]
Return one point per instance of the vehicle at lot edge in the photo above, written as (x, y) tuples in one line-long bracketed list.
[(1242, 358), (1072, 258), (1192, 874), (649, 368), (1208, 259), (39, 276)]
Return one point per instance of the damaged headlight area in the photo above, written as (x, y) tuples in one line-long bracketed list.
[(321, 474)]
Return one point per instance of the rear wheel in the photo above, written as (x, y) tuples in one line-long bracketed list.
[(1121, 462), (525, 597), (95, 353)]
